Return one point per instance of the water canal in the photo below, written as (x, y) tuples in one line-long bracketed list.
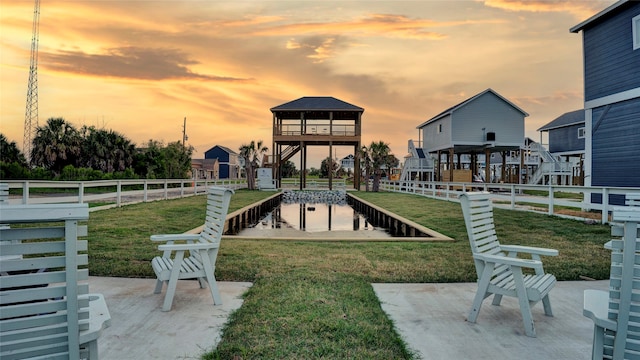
[(331, 215)]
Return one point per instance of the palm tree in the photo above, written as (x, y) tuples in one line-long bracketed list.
[(56, 145), (365, 164), (381, 157), (106, 150), (9, 152), (251, 154)]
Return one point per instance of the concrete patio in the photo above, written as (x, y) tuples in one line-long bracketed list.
[(429, 317)]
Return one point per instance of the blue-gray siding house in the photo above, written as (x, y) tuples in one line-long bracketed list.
[(611, 42), (566, 134), (483, 124), (229, 167)]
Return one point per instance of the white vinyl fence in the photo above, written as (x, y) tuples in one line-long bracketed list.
[(111, 193), (537, 198)]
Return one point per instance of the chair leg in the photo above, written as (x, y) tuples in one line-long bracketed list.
[(525, 306), (209, 272), (497, 298), (481, 293), (173, 281), (597, 351), (547, 305), (158, 288)]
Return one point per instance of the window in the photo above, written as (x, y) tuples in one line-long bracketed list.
[(581, 133), (439, 128), (635, 25)]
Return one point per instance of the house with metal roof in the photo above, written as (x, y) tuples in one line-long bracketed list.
[(485, 123), (611, 55)]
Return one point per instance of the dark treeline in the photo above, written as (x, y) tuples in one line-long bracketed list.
[(61, 152)]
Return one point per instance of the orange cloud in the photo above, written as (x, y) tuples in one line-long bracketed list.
[(383, 25), (579, 8)]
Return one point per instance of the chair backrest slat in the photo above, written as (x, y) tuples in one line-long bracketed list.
[(43, 281), (624, 283), (218, 199), (477, 210)]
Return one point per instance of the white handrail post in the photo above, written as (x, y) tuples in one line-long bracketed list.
[(513, 196), (182, 188)]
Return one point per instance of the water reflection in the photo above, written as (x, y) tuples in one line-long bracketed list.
[(315, 218)]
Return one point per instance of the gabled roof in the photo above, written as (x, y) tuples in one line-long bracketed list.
[(599, 16), (324, 103), (450, 110), (224, 148), (566, 119)]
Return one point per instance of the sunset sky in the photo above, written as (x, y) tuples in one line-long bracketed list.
[(140, 67)]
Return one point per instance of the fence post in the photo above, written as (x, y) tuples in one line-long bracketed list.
[(166, 189), (25, 192), (80, 192), (605, 205), (118, 193), (513, 196), (550, 208), (145, 191), (181, 188)]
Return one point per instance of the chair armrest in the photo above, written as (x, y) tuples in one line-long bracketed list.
[(99, 318), (596, 308), (175, 237), (498, 259), (179, 247), (529, 250)]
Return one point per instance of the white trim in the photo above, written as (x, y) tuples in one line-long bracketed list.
[(611, 99), (588, 148), (635, 26)]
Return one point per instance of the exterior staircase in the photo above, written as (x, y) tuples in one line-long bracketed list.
[(417, 165), (550, 169)]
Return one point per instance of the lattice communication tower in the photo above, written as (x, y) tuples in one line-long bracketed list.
[(31, 111)]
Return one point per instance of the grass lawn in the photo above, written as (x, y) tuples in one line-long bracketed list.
[(313, 299)]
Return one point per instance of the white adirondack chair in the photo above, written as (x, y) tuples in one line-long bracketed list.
[(616, 313), (498, 267), (46, 311), (202, 250)]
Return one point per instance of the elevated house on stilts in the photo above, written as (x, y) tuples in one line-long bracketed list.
[(314, 121)]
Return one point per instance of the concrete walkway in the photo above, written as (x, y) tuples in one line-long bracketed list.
[(429, 317), (140, 330)]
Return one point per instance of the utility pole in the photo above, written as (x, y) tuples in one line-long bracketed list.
[(184, 133), (31, 111)]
